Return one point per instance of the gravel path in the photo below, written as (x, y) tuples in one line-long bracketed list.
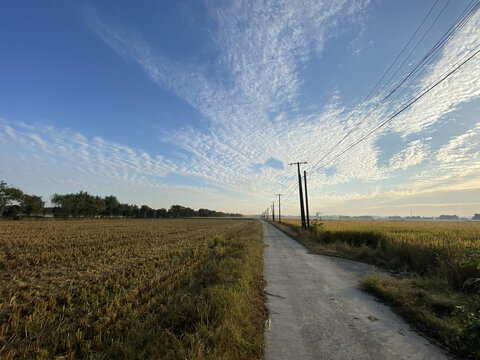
[(317, 310)]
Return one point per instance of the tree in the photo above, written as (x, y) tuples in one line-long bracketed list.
[(126, 210), (448, 217), (79, 204), (64, 205), (32, 205), (112, 206), (135, 211), (476, 217), (161, 213), (8, 195), (95, 206), (207, 213), (177, 211), (12, 211), (146, 212)]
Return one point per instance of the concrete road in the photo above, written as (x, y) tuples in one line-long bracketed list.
[(317, 310)]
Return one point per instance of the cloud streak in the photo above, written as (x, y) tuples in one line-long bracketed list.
[(252, 95)]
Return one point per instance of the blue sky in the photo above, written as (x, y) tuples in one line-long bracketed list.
[(204, 103)]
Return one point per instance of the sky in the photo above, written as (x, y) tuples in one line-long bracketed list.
[(205, 103)]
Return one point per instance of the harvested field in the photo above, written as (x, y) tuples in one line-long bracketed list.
[(172, 289)]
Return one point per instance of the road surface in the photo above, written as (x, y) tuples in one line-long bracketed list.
[(317, 310)]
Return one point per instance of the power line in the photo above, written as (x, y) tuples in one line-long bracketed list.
[(426, 61), (453, 30), (383, 76), (418, 43), (435, 51), (403, 50), (422, 94), (290, 191)]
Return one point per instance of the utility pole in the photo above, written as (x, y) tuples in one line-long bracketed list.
[(279, 212), (306, 198), (302, 212), (273, 211), (268, 218)]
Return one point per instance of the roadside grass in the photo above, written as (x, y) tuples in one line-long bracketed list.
[(131, 289), (450, 317), (435, 268)]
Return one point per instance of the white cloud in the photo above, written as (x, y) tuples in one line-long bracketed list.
[(260, 46), (43, 159), (252, 97), (96, 156), (463, 149), (415, 152), (463, 86)]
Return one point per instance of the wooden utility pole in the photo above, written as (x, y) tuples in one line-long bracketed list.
[(306, 198), (279, 211), (273, 211), (302, 211)]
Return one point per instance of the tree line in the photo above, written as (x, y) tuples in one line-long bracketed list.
[(14, 203)]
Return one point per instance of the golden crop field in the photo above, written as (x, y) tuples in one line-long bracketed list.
[(427, 247), (131, 289)]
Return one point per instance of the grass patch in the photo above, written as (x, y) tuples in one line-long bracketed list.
[(131, 289), (318, 244), (439, 263), (433, 307)]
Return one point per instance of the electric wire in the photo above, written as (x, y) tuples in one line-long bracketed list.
[(453, 30), (427, 59), (390, 79), (437, 50), (422, 94), (292, 188), (289, 192)]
